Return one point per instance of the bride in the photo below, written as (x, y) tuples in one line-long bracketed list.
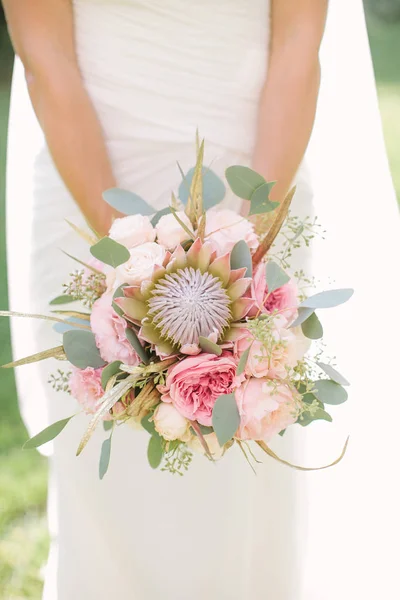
[(119, 88)]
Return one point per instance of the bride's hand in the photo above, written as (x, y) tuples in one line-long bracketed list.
[(102, 219)]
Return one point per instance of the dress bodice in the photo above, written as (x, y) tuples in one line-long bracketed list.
[(160, 68)]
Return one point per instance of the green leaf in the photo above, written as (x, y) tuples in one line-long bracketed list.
[(303, 315), (127, 202), (312, 328), (136, 345), (243, 181), (69, 324), (107, 425), (333, 374), (208, 346), (63, 299), (105, 457), (110, 252), (119, 293), (213, 188), (108, 371), (329, 392), (328, 299), (260, 202), (243, 361), (159, 214), (81, 350), (206, 430), (149, 425), (47, 434), (225, 418), (275, 276), (241, 257), (155, 451), (320, 414)]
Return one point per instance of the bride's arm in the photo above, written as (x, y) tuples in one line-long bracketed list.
[(42, 32), (289, 97)]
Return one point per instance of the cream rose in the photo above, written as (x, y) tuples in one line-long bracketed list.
[(169, 232), (132, 231), (224, 228), (141, 263), (215, 449), (169, 423)]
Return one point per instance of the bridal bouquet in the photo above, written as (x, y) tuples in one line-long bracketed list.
[(191, 328)]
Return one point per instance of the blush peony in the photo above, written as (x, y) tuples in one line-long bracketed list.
[(265, 409), (281, 351), (224, 228), (194, 384), (109, 330)]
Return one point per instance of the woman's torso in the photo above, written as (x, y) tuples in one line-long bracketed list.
[(156, 70)]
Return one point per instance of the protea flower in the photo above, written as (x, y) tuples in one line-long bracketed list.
[(193, 294)]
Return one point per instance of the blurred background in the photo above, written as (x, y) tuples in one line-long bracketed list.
[(23, 536)]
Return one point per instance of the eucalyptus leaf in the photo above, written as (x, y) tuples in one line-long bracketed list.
[(81, 350), (159, 214), (225, 418), (155, 451), (333, 374), (275, 276), (119, 293), (213, 188), (206, 430), (110, 252), (136, 345), (243, 361), (260, 203), (320, 414), (303, 315), (329, 392), (105, 457), (243, 181), (328, 299), (127, 202), (107, 425), (47, 434), (69, 324), (241, 257), (208, 346), (108, 371), (312, 328), (63, 299), (148, 425)]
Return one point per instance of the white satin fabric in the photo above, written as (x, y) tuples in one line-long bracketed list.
[(156, 71)]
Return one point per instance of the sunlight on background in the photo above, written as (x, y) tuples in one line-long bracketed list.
[(23, 536)]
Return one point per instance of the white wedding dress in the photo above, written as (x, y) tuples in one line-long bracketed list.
[(156, 70)]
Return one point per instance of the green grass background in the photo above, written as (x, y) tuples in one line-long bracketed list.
[(23, 536)]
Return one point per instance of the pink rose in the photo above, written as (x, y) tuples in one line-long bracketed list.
[(109, 330), (265, 409), (85, 386), (284, 299), (224, 228), (194, 384)]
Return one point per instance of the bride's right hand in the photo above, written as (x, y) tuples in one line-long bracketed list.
[(102, 218)]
